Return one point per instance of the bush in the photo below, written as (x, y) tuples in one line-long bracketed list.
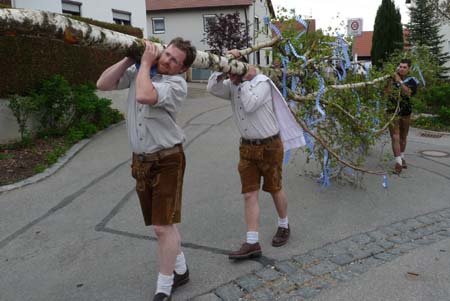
[(432, 99), (54, 101), (22, 108)]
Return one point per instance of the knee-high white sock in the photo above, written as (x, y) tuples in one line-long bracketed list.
[(180, 264), (402, 155), (283, 222), (252, 237), (164, 284)]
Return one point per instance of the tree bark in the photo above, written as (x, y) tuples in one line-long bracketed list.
[(53, 26)]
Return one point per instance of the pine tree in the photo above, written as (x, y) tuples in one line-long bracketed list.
[(387, 34), (424, 31)]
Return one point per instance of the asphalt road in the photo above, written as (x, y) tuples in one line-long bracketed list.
[(79, 234)]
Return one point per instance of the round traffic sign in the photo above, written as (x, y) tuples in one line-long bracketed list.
[(354, 25)]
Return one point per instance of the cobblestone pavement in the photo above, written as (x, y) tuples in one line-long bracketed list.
[(306, 275)]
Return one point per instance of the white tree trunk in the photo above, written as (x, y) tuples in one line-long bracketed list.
[(47, 25)]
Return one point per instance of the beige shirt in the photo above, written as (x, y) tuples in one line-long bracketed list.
[(252, 105), (152, 127)]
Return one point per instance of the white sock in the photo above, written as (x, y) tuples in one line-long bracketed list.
[(164, 284), (252, 237), (180, 264), (398, 159), (283, 222), (402, 155)]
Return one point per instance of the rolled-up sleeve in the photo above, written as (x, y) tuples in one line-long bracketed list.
[(219, 87), (127, 78), (254, 96), (172, 91)]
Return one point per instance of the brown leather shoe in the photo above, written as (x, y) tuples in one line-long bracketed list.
[(180, 279), (281, 237), (246, 251), (162, 297), (404, 164), (397, 168)]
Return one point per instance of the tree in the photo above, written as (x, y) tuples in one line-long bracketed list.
[(442, 9), (226, 32), (387, 34), (424, 31)]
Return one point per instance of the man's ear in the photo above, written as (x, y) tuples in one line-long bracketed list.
[(183, 70)]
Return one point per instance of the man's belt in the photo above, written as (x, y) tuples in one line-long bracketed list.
[(156, 156), (260, 141)]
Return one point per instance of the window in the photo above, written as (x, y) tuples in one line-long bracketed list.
[(267, 60), (159, 26), (258, 57), (207, 19), (121, 17), (71, 8), (256, 24)]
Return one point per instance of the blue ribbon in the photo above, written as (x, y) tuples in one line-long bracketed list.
[(324, 177), (416, 67), (358, 103), (266, 20), (296, 54), (385, 182), (319, 95), (284, 61), (367, 68), (305, 26)]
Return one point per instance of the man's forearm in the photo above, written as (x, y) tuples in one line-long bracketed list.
[(145, 91), (111, 76)]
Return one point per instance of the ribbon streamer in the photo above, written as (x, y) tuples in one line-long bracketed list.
[(305, 26), (319, 95), (266, 20)]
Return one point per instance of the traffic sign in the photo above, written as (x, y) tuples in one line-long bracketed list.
[(354, 27)]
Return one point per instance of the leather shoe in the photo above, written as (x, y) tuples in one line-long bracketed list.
[(404, 164), (179, 280), (162, 297), (246, 251), (397, 168), (281, 237)]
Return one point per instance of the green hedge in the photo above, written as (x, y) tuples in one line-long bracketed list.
[(25, 62)]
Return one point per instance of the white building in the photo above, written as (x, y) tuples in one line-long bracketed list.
[(130, 12), (167, 19)]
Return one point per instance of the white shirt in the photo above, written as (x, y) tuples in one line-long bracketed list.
[(251, 104), (152, 127)]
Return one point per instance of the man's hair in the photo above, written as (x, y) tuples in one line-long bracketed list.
[(406, 61), (187, 48)]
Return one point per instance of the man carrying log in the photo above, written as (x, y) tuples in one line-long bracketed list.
[(156, 92), (267, 127)]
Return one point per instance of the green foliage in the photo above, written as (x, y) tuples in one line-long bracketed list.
[(39, 168), (424, 30), (22, 108), (387, 33), (54, 100), (57, 152), (432, 123), (434, 100), (23, 70), (6, 156)]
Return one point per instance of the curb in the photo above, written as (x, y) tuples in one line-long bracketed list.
[(60, 163)]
